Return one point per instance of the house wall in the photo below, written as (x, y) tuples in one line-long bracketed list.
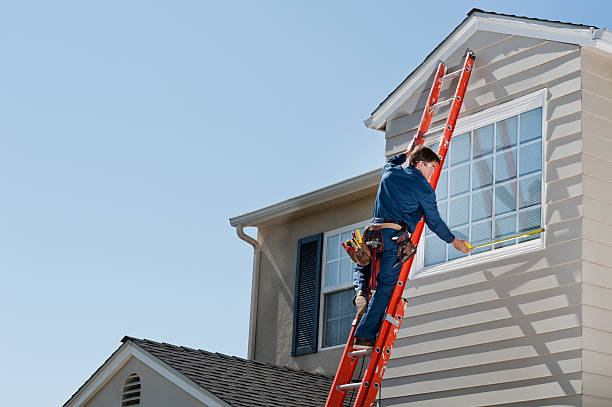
[(156, 391), (277, 281), (507, 330), (597, 226)]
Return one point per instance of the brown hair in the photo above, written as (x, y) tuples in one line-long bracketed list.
[(425, 154)]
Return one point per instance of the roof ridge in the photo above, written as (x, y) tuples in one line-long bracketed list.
[(255, 362)]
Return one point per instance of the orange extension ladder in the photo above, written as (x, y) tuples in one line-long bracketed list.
[(379, 356)]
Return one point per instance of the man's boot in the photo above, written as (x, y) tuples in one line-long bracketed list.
[(361, 302)]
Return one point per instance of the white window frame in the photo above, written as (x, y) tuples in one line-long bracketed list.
[(477, 120), (336, 288)]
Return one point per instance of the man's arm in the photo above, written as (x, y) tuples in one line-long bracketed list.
[(437, 225), (433, 219)]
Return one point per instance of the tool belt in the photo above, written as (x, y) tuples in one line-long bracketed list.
[(405, 248), (372, 240)]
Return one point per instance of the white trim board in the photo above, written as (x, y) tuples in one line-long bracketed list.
[(482, 21), (130, 350)]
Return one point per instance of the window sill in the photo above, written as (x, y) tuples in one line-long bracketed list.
[(494, 255), (341, 346)]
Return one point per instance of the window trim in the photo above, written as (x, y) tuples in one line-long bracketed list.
[(483, 118), (336, 288)]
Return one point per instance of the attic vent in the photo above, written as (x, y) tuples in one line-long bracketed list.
[(131, 391)]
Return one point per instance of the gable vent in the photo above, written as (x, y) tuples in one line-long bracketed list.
[(131, 391)]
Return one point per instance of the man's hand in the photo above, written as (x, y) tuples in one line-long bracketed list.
[(460, 245), (411, 147)]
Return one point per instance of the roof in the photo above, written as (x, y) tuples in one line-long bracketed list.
[(478, 19), (240, 382), (349, 187)]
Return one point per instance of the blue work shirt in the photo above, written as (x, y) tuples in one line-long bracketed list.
[(405, 195)]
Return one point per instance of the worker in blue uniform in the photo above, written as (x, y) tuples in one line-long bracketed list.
[(403, 197)]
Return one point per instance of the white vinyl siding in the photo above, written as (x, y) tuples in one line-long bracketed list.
[(337, 308), (503, 326)]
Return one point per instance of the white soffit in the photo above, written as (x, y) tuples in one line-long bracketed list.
[(552, 31), (292, 205)]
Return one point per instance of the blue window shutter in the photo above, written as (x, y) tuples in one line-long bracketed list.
[(306, 296)]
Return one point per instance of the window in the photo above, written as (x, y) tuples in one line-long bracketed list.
[(337, 308), (130, 396), (490, 186)]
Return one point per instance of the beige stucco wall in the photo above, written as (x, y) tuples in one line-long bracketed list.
[(277, 281), (156, 390)]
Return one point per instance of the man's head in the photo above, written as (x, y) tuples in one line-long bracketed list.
[(425, 160)]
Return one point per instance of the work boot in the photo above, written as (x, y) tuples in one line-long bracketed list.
[(361, 302), (362, 343)]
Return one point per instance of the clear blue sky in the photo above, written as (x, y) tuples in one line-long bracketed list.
[(132, 130)]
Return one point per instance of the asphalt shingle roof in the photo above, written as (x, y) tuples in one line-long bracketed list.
[(240, 382)]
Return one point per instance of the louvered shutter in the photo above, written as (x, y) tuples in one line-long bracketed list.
[(307, 289)]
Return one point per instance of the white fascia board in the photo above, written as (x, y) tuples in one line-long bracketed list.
[(482, 22), (298, 203), (603, 40), (127, 351), (380, 116)]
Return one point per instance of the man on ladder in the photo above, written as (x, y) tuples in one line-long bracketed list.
[(404, 196)]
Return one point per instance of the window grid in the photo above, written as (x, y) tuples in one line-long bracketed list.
[(337, 309), (493, 187)]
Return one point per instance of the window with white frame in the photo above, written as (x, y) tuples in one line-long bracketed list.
[(337, 308), (490, 186)]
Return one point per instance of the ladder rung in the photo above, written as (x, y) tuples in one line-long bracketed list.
[(452, 74), (348, 387), (360, 353), (443, 103), (433, 131)]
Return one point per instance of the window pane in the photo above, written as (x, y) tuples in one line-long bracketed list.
[(531, 191), (346, 270), (482, 173), (483, 141), (505, 166), (482, 203), (435, 250), (481, 233), (460, 149), (331, 273), (531, 125), (505, 227), (505, 198), (453, 253), (333, 247), (460, 180), (442, 187), (459, 211), (332, 332), (530, 158), (529, 220), (505, 135), (442, 209), (339, 311)]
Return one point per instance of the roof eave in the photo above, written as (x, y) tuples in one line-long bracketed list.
[(299, 203), (478, 20), (120, 357)]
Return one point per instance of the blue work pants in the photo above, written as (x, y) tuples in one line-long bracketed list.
[(387, 278)]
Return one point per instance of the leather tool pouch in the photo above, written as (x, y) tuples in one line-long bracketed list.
[(405, 248), (361, 255), (373, 237)]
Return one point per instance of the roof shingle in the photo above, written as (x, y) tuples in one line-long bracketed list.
[(240, 382)]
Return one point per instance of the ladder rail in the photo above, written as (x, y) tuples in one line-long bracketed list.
[(379, 356), (375, 372)]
